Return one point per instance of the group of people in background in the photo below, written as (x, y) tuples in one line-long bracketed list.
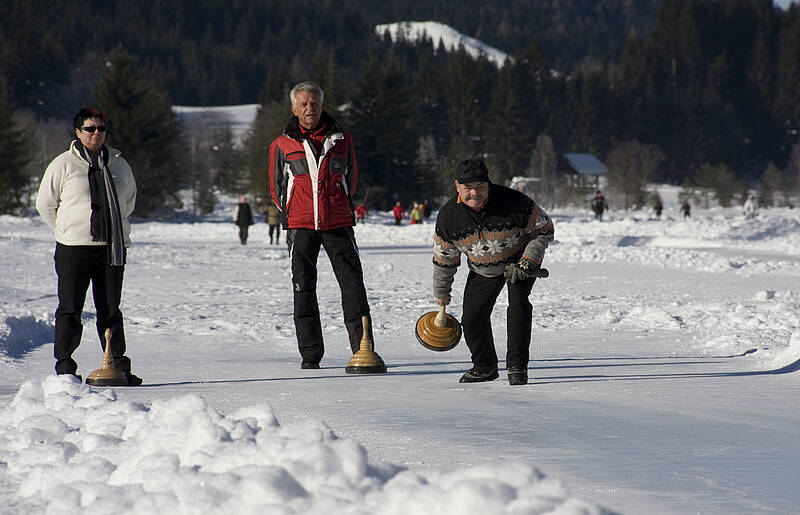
[(416, 215), (600, 205), (243, 219)]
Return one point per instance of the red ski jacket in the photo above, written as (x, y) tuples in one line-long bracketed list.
[(313, 191)]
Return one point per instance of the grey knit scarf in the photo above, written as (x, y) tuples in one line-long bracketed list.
[(106, 218)]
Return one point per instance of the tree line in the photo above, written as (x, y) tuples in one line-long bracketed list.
[(706, 97)]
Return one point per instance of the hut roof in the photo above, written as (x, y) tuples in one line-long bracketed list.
[(586, 164)]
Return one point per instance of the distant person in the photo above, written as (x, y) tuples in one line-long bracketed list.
[(361, 213), (87, 195), (599, 205), (272, 215), (750, 206), (686, 209), (312, 178), (426, 209), (398, 213), (416, 216), (658, 206), (243, 218), (504, 235)]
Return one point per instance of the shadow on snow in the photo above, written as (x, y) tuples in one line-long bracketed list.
[(398, 370)]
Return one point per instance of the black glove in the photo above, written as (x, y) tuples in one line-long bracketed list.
[(522, 270)]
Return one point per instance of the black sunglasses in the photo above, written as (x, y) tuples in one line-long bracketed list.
[(91, 128)]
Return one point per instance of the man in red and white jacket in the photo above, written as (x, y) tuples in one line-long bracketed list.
[(312, 178)]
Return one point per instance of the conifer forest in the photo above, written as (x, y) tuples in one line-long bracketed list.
[(699, 93)]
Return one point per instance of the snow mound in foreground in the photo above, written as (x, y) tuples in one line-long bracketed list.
[(67, 447)]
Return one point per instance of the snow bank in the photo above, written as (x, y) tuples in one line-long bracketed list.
[(67, 447), (21, 334)]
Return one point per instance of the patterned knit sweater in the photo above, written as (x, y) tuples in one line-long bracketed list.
[(509, 227)]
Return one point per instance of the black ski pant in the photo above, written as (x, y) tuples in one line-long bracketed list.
[(77, 266), (276, 230), (480, 295), (243, 230), (340, 245)]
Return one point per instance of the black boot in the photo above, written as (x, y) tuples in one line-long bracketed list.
[(477, 375), (517, 375)]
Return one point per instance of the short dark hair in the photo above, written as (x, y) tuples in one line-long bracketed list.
[(86, 113)]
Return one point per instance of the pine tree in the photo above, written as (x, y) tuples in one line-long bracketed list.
[(211, 159), (271, 118), (770, 185), (787, 101), (544, 166), (325, 74), (631, 166), (763, 131), (381, 120), (632, 81), (519, 111), (143, 127), (592, 113), (720, 180), (14, 156)]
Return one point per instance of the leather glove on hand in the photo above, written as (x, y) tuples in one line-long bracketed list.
[(522, 270)]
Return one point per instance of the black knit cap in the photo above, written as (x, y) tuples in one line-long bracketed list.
[(472, 170)]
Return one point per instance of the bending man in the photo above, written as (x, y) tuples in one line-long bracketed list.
[(504, 235)]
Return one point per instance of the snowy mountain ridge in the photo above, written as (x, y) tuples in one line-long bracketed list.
[(449, 37)]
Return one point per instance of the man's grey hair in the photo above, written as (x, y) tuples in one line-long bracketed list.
[(308, 86)]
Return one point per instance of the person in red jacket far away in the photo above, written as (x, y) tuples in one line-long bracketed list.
[(312, 179), (361, 213), (398, 212)]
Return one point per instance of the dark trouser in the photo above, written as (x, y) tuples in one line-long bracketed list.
[(76, 266), (243, 229), (480, 295), (340, 245), (275, 228)]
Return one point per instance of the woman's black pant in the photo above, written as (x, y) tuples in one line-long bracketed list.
[(243, 230), (480, 295), (76, 267), (340, 245), (276, 229)]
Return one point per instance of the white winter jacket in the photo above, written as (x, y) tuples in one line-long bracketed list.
[(64, 200)]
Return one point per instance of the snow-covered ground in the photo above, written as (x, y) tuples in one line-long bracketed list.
[(664, 379)]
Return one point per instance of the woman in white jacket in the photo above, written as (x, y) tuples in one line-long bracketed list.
[(86, 195)]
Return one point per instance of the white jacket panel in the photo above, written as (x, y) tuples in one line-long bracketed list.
[(64, 200)]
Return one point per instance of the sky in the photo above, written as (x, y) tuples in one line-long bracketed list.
[(784, 3), (664, 377)]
